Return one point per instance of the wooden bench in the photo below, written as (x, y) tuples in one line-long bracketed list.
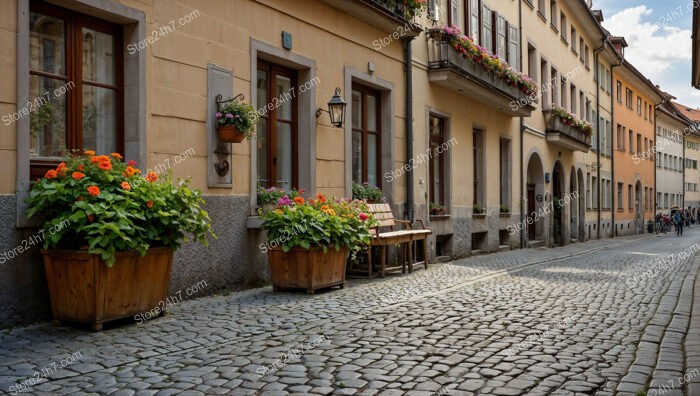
[(400, 233)]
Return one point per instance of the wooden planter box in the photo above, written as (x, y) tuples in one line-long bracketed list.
[(309, 269), (83, 289)]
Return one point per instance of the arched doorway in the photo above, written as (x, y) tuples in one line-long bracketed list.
[(558, 190), (535, 199), (574, 214), (581, 207), (638, 220)]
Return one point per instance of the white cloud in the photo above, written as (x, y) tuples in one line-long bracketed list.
[(653, 48)]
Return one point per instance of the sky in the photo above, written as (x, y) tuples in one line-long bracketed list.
[(659, 36)]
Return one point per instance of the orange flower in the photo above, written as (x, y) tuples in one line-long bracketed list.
[(151, 177), (105, 165), (130, 171), (80, 198), (91, 218), (100, 158), (116, 155), (93, 190), (51, 174), (279, 211), (299, 200), (321, 198), (61, 167), (149, 204), (89, 152), (331, 212), (126, 186), (325, 207), (78, 175), (81, 167)]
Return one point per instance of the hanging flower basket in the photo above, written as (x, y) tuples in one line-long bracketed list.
[(229, 134)]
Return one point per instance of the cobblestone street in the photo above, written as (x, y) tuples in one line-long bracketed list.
[(582, 319)]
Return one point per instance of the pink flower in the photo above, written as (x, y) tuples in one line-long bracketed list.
[(131, 163)]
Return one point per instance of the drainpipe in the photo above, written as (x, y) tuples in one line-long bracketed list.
[(523, 191), (612, 157), (409, 125), (596, 56)]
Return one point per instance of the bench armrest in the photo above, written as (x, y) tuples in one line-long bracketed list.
[(406, 223), (422, 225)]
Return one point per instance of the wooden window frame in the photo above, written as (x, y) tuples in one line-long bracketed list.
[(74, 22), (273, 70), (364, 90), (439, 140)]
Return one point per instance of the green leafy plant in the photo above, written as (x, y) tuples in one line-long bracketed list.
[(436, 209), (110, 207), (478, 209), (319, 223), (367, 193), (414, 8), (505, 209), (239, 114)]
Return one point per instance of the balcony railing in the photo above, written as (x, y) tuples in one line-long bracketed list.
[(449, 68), (387, 15), (564, 135)]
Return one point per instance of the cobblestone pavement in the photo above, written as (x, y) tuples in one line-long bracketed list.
[(592, 318)]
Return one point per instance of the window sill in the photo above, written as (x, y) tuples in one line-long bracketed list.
[(479, 215), (556, 29), (254, 222), (529, 4), (565, 41), (439, 217), (575, 52), (505, 214), (542, 16)]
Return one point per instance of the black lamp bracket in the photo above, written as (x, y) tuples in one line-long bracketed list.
[(220, 99)]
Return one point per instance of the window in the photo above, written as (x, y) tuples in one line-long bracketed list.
[(563, 27), (645, 109), (555, 87), (437, 160), (277, 129), (487, 29), (631, 141), (608, 137), (573, 94), (541, 8), (588, 190), (587, 57), (608, 196), (501, 32), (453, 13), (658, 200), (595, 192), (666, 200), (639, 144), (620, 137), (573, 40), (619, 91), (544, 88), (76, 61), (628, 98), (474, 20), (594, 137), (532, 62), (651, 114), (553, 13), (619, 196), (505, 170), (658, 160), (513, 48), (630, 202), (639, 106), (479, 176), (564, 92), (646, 145), (366, 135)]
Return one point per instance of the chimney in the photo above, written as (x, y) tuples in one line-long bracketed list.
[(598, 15)]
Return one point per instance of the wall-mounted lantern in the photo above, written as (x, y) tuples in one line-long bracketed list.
[(336, 109)]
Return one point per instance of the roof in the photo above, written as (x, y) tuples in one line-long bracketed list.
[(693, 114)]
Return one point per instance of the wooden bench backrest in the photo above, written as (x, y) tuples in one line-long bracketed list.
[(382, 213)]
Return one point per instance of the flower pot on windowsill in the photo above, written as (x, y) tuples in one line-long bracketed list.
[(229, 134)]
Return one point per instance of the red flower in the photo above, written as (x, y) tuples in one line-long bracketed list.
[(149, 204), (78, 175), (299, 200), (151, 177), (126, 186), (363, 216), (51, 174), (131, 163), (93, 190)]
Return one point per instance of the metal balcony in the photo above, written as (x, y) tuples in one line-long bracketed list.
[(387, 15), (564, 135)]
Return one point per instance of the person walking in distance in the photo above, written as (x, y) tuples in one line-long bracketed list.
[(678, 220)]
